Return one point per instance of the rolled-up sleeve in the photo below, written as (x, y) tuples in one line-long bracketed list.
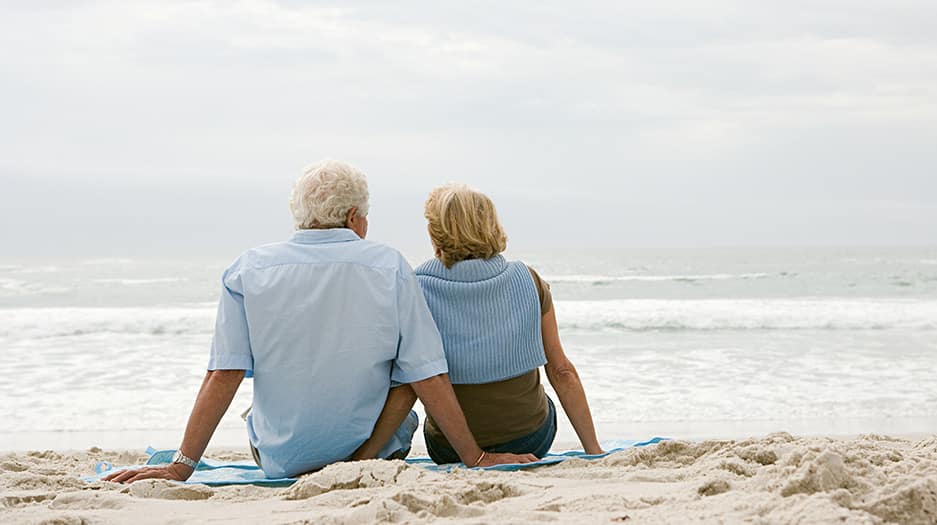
[(230, 345), (419, 349)]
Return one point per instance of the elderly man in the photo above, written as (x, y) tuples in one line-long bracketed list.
[(337, 336)]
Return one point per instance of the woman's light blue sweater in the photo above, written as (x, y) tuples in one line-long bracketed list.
[(488, 313)]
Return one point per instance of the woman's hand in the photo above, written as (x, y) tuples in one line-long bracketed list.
[(173, 471)]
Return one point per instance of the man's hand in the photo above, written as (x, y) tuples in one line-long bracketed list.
[(493, 458), (173, 471), (218, 389)]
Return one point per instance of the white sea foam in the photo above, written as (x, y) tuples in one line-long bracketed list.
[(41, 323), (605, 279), (11, 284), (19, 288), (38, 269), (747, 314)]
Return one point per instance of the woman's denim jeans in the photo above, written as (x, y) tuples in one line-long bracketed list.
[(537, 442)]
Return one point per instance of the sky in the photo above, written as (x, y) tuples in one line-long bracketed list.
[(172, 128)]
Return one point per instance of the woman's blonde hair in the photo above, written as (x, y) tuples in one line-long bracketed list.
[(463, 224)]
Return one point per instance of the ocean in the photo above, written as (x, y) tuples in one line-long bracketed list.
[(714, 343)]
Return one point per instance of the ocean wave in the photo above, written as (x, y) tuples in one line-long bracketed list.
[(746, 314), (608, 279), (577, 316), (107, 261), (137, 282), (19, 288)]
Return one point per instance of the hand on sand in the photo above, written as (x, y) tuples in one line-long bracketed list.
[(494, 458), (173, 471)]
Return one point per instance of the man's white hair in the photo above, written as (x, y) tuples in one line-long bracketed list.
[(323, 195)]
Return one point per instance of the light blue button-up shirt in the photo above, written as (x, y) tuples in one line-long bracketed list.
[(325, 324)]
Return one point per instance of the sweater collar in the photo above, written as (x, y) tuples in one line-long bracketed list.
[(470, 270)]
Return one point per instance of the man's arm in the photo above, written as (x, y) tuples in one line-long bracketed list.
[(214, 397), (399, 402), (439, 399)]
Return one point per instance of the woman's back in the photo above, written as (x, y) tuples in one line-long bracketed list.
[(488, 315), (505, 409)]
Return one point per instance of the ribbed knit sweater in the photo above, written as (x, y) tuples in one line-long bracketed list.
[(488, 314)]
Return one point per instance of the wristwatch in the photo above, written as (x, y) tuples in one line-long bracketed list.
[(179, 457)]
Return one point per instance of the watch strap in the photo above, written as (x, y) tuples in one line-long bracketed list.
[(179, 457)]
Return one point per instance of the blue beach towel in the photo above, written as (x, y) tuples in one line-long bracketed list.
[(215, 473)]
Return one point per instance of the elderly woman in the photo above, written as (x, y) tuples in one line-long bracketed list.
[(498, 327)]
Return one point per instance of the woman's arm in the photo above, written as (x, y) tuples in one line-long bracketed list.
[(399, 402), (214, 397), (565, 380)]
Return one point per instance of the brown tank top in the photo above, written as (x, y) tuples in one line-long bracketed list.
[(504, 410)]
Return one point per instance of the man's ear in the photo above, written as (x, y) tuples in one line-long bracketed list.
[(351, 215)]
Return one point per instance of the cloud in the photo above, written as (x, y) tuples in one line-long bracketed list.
[(688, 110)]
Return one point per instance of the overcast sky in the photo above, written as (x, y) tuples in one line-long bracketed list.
[(138, 128)]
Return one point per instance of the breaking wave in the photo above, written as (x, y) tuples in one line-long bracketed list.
[(579, 316), (746, 314), (608, 279)]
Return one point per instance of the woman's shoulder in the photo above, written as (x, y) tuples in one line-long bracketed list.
[(538, 280), (429, 267), (543, 288), (517, 263)]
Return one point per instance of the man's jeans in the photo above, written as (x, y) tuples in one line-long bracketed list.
[(537, 442)]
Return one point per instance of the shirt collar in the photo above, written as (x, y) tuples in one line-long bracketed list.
[(323, 236)]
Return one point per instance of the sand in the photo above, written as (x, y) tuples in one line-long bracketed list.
[(776, 479)]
